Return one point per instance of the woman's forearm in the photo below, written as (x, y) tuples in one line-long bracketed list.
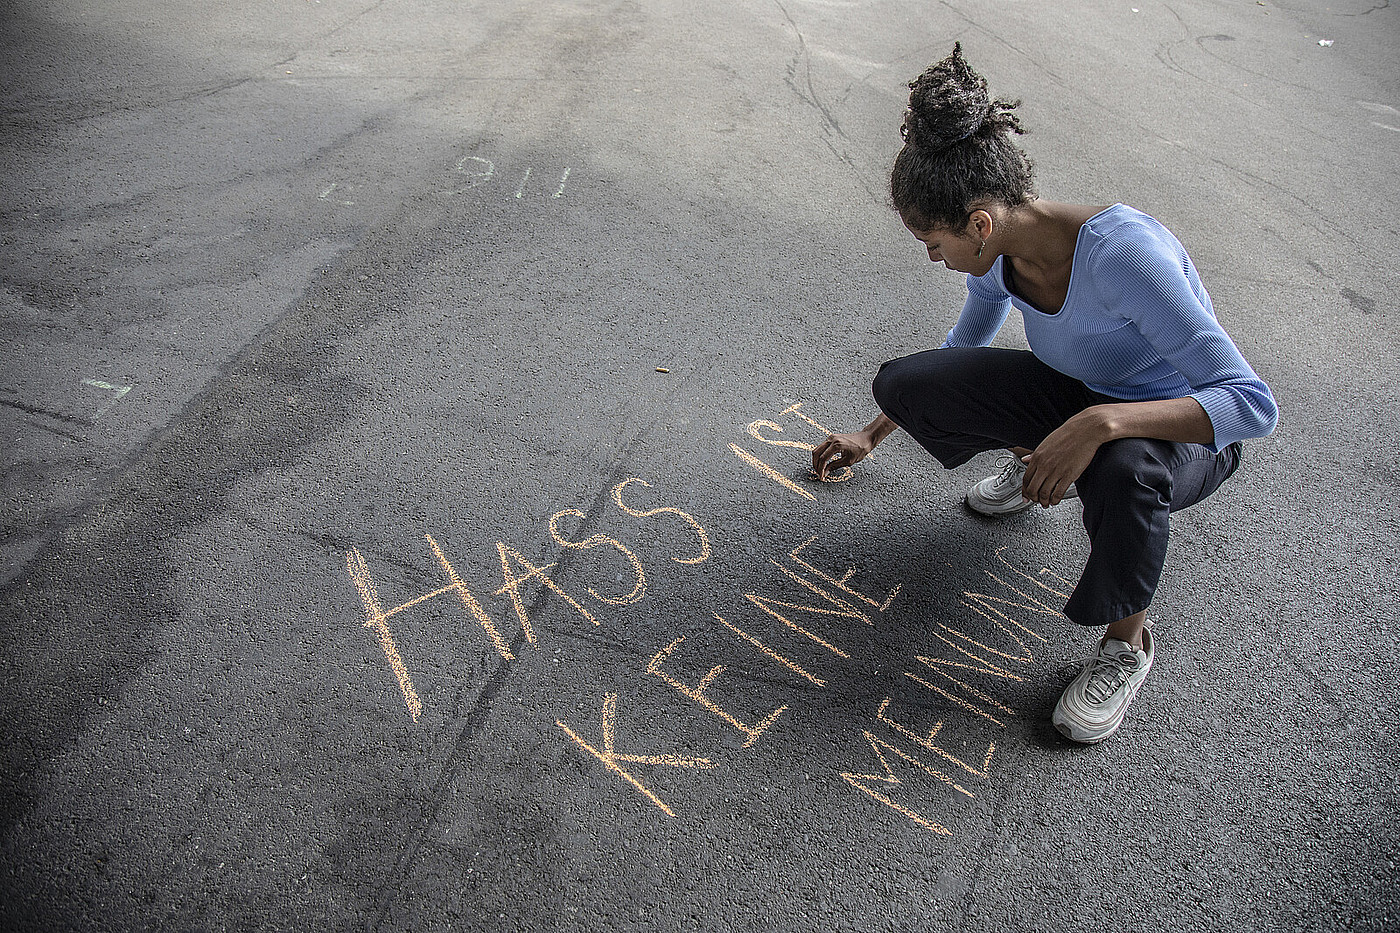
[(879, 429), (1066, 453), (1182, 420)]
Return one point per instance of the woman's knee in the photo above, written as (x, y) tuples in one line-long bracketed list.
[(890, 383), (1125, 467), (901, 384)]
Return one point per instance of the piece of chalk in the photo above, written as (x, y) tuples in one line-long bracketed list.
[(662, 369)]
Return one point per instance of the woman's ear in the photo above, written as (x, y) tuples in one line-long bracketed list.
[(979, 225)]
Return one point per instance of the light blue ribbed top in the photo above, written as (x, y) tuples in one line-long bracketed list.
[(1137, 325)]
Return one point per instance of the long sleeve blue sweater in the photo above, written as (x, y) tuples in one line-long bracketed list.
[(1136, 325)]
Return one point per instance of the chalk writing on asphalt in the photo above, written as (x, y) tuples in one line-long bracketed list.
[(811, 620), (476, 171)]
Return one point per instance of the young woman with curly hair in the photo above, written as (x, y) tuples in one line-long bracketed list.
[(1132, 397)]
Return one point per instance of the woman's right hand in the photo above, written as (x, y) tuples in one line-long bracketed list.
[(841, 450)]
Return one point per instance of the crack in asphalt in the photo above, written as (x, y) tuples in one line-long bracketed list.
[(476, 717), (803, 60)]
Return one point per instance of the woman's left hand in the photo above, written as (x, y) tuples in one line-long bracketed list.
[(1062, 458)]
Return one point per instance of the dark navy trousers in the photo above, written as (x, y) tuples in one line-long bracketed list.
[(960, 402)]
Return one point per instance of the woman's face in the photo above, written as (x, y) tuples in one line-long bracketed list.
[(956, 250)]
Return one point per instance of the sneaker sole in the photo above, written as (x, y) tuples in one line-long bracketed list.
[(987, 507)]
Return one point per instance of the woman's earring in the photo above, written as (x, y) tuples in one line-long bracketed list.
[(980, 248)]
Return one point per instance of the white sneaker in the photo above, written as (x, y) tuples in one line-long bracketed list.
[(1001, 494), (1093, 705)]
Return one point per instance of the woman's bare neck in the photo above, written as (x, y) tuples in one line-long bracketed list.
[(1043, 235)]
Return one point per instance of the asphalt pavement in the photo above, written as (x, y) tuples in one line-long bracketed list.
[(405, 411)]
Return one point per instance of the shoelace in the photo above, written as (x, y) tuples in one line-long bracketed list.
[(1109, 673), (1011, 467)]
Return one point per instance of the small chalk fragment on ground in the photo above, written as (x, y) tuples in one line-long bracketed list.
[(662, 369)]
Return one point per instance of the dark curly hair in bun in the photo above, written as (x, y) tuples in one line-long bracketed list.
[(957, 149)]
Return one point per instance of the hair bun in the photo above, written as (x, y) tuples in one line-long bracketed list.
[(949, 103), (958, 150)]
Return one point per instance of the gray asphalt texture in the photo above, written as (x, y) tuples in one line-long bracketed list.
[(292, 295)]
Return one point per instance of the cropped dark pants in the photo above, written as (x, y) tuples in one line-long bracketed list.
[(960, 402)]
